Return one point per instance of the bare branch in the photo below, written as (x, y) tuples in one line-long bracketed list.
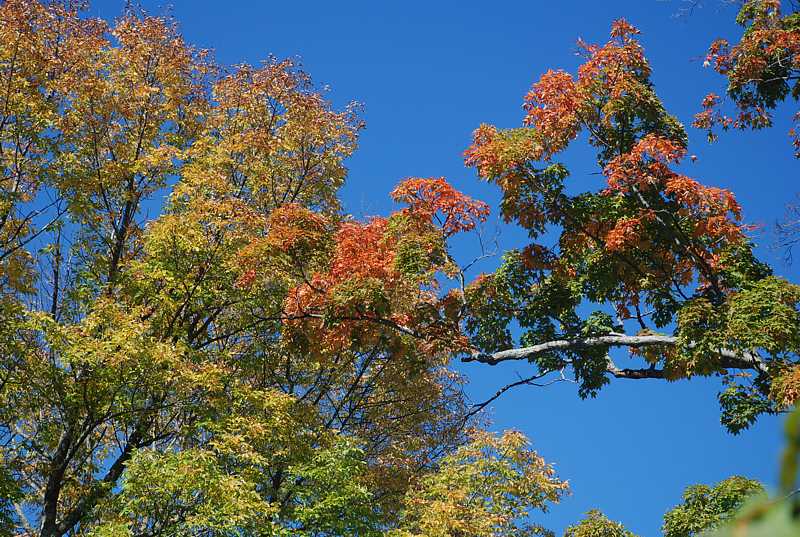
[(526, 382), (730, 359)]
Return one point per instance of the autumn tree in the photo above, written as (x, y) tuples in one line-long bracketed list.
[(650, 260), (244, 358), (486, 487), (762, 71)]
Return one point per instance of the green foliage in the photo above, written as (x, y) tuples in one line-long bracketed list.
[(765, 315), (9, 493), (420, 247), (596, 524), (200, 491), (590, 368), (185, 493), (701, 334), (706, 507), (773, 517), (598, 323), (742, 405), (332, 496), (492, 303)]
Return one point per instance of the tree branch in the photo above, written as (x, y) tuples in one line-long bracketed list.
[(526, 381), (88, 502), (729, 359)]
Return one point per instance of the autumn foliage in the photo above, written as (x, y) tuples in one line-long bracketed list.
[(251, 360), (383, 271), (649, 247), (762, 70), (197, 339)]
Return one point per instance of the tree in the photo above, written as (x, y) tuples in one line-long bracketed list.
[(651, 260), (704, 510), (762, 71), (770, 516), (249, 361), (487, 487), (707, 507), (252, 360), (596, 524)]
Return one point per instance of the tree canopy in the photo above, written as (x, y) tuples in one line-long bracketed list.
[(651, 260), (246, 358)]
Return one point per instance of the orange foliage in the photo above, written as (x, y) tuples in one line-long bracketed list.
[(645, 165), (291, 230), (481, 154), (627, 232), (345, 293), (558, 105), (501, 157), (650, 223), (767, 55), (429, 197), (363, 251), (714, 212), (553, 105), (361, 286), (785, 389)]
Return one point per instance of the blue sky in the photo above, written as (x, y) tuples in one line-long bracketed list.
[(428, 73)]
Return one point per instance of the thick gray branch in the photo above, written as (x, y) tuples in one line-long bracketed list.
[(729, 359)]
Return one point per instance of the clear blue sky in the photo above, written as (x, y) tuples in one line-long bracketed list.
[(430, 72)]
